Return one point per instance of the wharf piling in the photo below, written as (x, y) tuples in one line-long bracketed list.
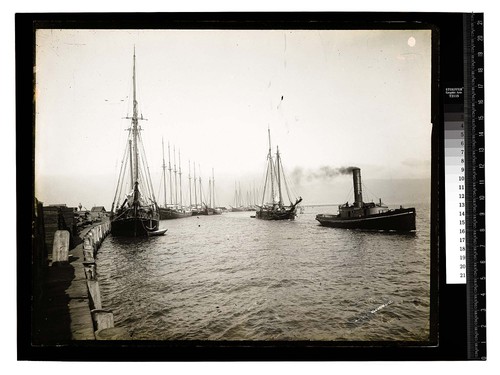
[(67, 301)]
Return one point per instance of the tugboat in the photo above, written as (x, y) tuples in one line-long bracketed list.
[(138, 213), (275, 209), (369, 216)]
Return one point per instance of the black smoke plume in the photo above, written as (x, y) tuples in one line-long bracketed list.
[(322, 173)]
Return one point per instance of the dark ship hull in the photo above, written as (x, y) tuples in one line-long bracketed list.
[(401, 220), (205, 212), (202, 212), (237, 209), (169, 214), (270, 214), (133, 227)]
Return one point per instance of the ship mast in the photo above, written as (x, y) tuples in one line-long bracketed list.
[(240, 199), (164, 166), (201, 195), (235, 195), (135, 121), (170, 172), (270, 158), (190, 201), (180, 179), (278, 177), (209, 192), (131, 152), (175, 180), (213, 187), (194, 182)]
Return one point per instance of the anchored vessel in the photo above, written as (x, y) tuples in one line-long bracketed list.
[(174, 210), (238, 201), (137, 214), (275, 209), (210, 207), (369, 216)]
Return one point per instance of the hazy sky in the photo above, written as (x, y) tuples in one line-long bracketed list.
[(331, 99)]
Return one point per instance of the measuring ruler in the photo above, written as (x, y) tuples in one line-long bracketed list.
[(465, 185), (475, 185)]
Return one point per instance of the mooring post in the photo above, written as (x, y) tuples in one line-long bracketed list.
[(102, 319), (60, 247), (95, 294), (90, 270), (88, 248)]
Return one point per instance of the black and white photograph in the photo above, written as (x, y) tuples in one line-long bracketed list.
[(233, 185)]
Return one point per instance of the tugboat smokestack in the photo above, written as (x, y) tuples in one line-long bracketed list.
[(358, 194)]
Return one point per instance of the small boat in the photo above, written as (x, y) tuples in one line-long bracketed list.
[(138, 212), (369, 216), (159, 232), (274, 208)]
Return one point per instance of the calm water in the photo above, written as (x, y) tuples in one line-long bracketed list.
[(232, 277)]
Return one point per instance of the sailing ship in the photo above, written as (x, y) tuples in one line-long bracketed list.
[(195, 208), (369, 216), (238, 202), (205, 208), (174, 210), (212, 207), (275, 208), (137, 213)]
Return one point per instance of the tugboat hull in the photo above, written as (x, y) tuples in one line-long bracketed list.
[(401, 220), (133, 227)]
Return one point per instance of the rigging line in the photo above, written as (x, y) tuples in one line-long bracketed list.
[(147, 168), (201, 194), (263, 179), (265, 185), (365, 189), (288, 185), (120, 194), (288, 182), (348, 195), (161, 183), (121, 214), (148, 185), (272, 177), (121, 178), (140, 184), (269, 177), (124, 159), (128, 101)]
